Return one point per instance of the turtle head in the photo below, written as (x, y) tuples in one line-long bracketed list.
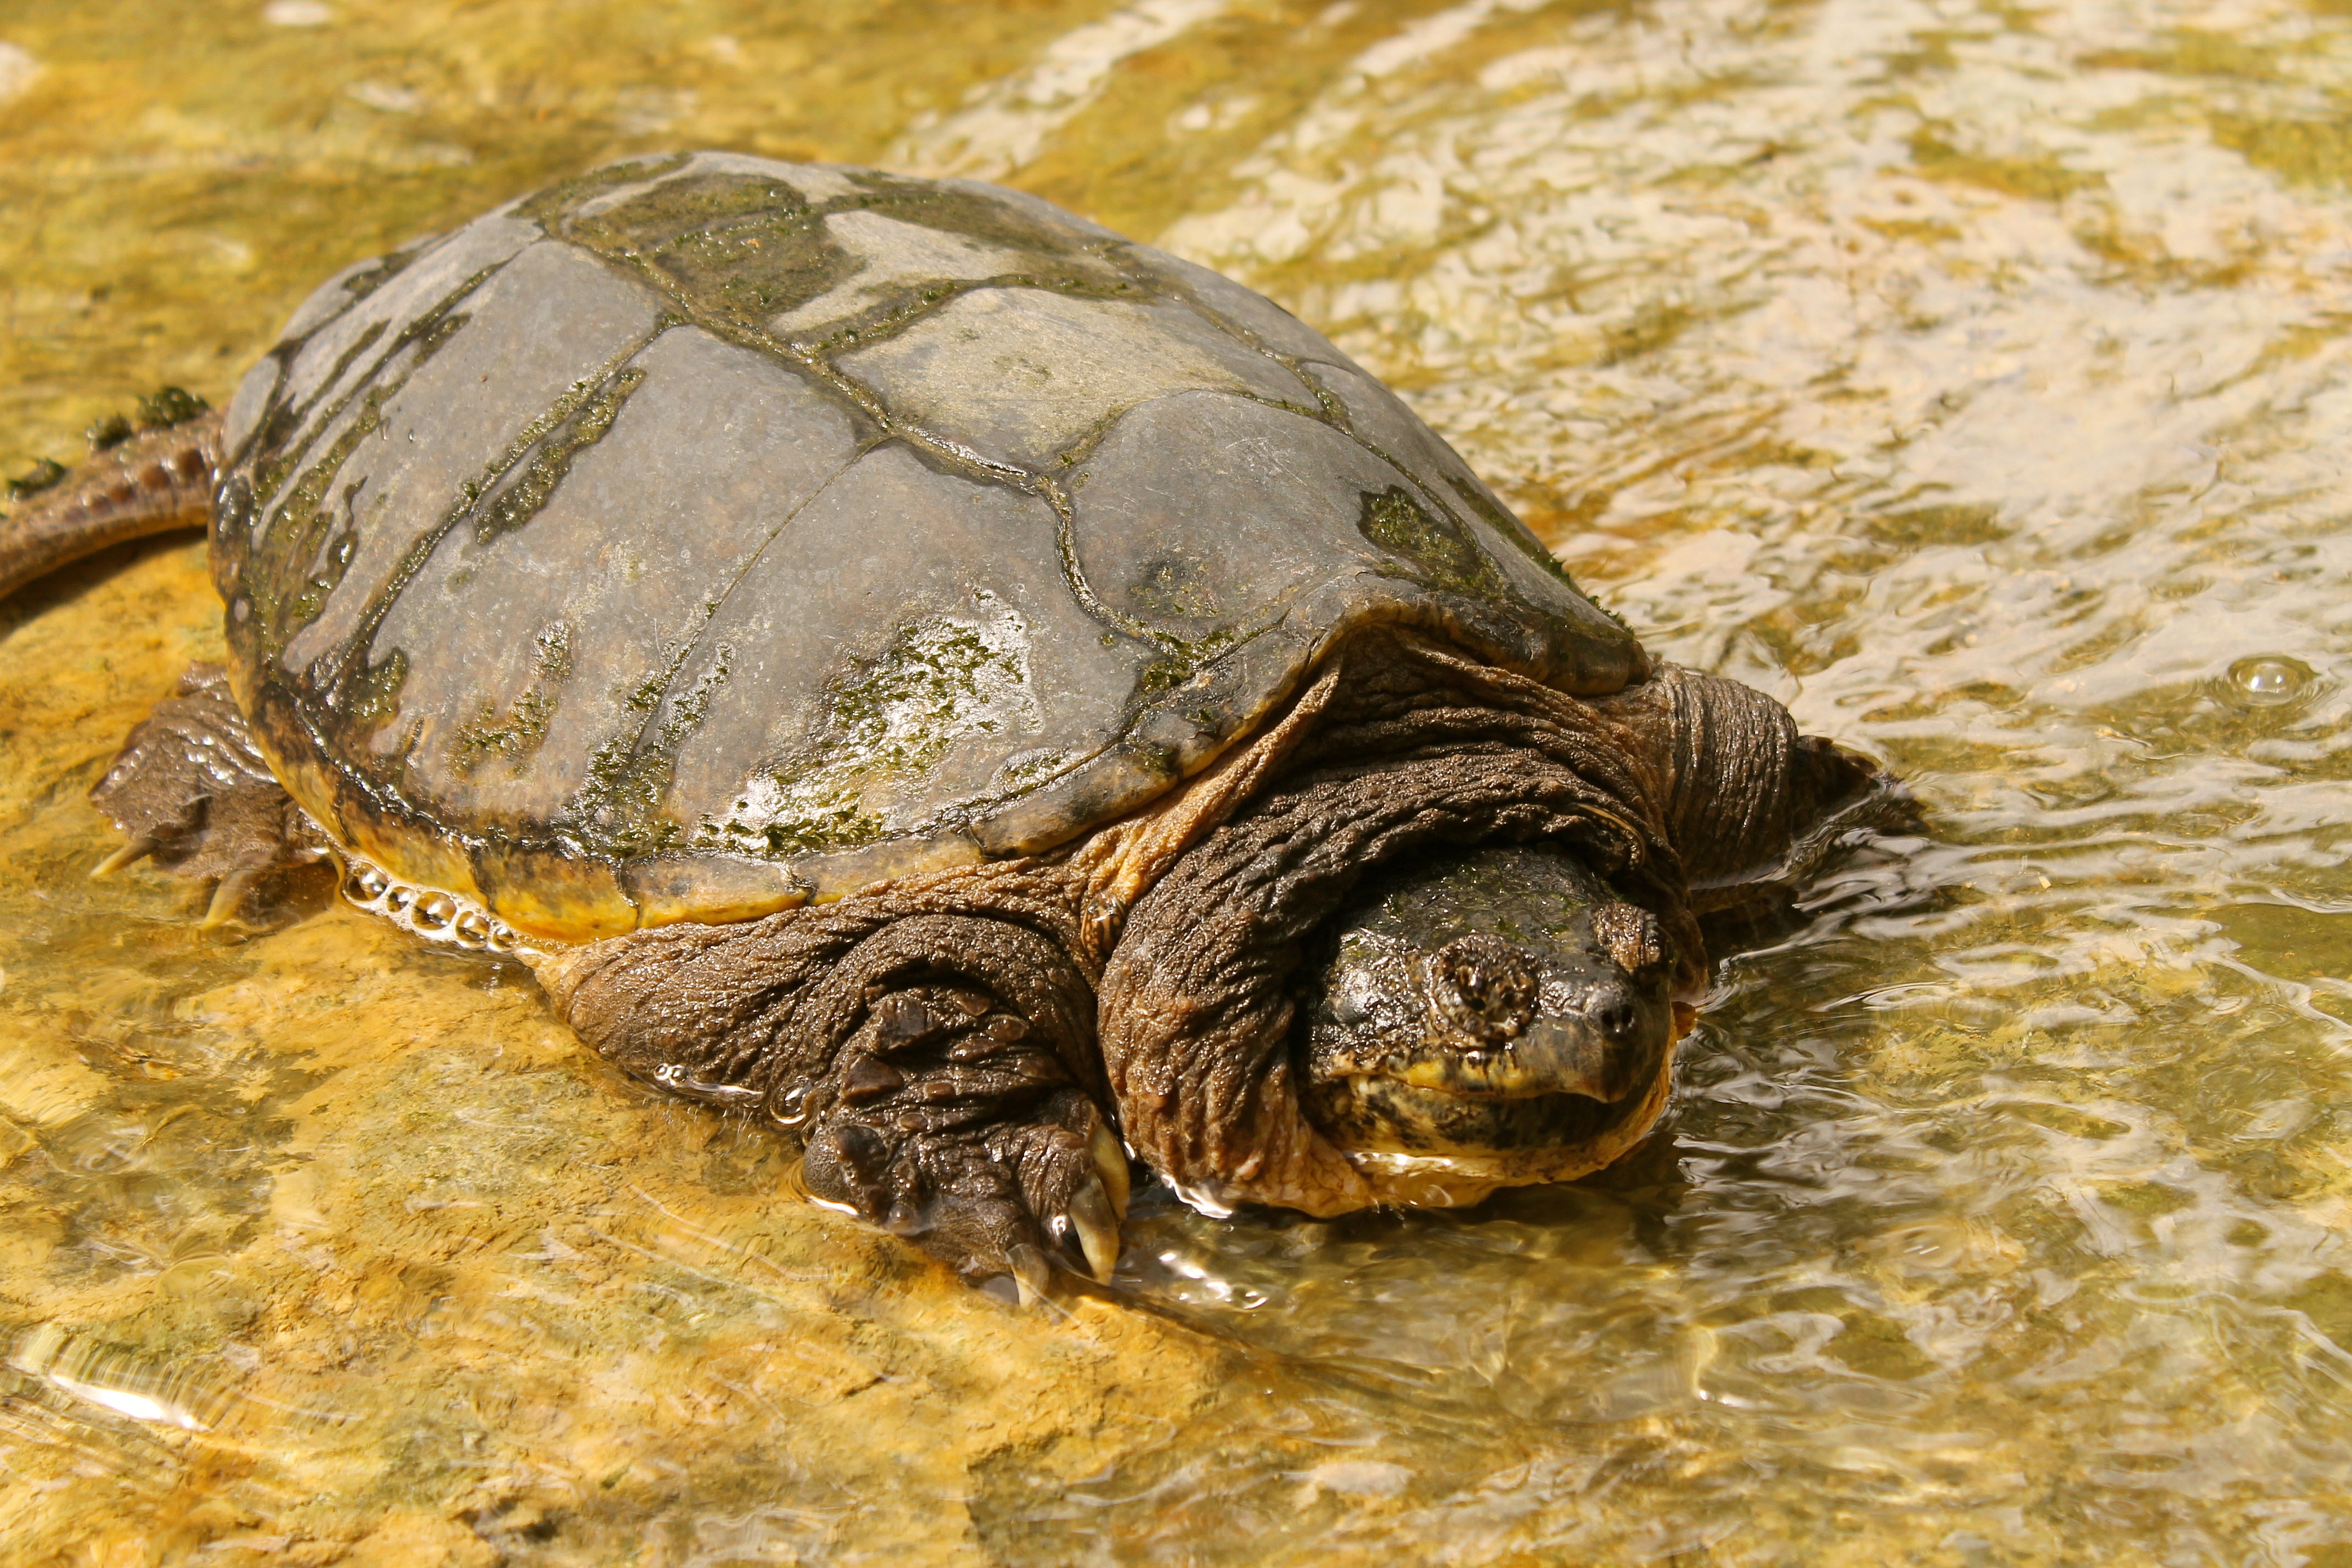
[(1499, 1014)]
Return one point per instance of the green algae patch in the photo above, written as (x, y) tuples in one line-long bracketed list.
[(167, 406), (521, 500), (309, 525), (371, 692), (1433, 542), (1443, 555), (617, 813), (514, 736), (1175, 587), (734, 249), (45, 473), (887, 724), (1519, 537)]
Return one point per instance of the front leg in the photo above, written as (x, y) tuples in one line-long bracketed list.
[(930, 1044), (944, 1121)]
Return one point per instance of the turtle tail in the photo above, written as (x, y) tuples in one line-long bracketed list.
[(149, 482)]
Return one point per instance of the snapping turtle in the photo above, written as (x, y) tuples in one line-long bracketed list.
[(986, 696)]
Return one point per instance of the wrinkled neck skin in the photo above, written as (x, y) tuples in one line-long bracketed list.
[(1750, 804)]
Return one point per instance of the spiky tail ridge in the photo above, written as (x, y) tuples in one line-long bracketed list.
[(152, 483)]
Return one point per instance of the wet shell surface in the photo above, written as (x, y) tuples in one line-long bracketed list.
[(706, 534)]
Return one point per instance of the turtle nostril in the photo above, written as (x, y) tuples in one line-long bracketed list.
[(1618, 1017)]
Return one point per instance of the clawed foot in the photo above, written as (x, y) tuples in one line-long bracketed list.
[(945, 1121), (192, 789)]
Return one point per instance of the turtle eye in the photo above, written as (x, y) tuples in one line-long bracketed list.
[(1350, 1002), (1483, 986)]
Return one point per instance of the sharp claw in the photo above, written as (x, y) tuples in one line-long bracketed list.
[(1098, 1227), (137, 848), (1031, 1272), (1110, 1159), (228, 898)]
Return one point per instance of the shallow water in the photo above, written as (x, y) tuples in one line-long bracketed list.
[(1975, 379)]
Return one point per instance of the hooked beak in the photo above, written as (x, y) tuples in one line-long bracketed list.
[(1555, 1054)]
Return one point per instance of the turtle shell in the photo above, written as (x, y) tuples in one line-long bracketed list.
[(708, 534)]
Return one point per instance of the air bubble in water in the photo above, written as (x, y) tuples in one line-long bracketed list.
[(2269, 680)]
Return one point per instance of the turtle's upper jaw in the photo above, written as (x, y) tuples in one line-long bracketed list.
[(1504, 1022), (1554, 1056)]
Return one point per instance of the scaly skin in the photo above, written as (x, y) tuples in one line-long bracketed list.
[(153, 483)]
